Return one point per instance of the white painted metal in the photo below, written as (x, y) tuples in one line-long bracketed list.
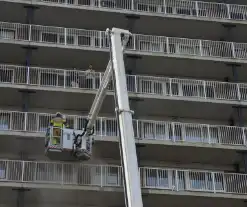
[(199, 10), (140, 44), (77, 175), (166, 131), (153, 86), (65, 149), (127, 142)]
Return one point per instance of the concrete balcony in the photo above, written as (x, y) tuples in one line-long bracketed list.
[(149, 51), (39, 197), (108, 178), (74, 90), (211, 16), (163, 141)]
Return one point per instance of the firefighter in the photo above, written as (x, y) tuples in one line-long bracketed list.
[(58, 122)]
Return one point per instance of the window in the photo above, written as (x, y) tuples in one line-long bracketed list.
[(49, 172), (243, 91), (111, 127), (210, 91), (112, 176), (214, 134), (151, 86), (150, 8), (84, 2), (150, 46), (178, 179), (70, 122), (237, 15), (193, 134), (160, 131), (4, 125), (175, 132), (44, 121), (192, 90), (146, 86), (6, 75), (7, 34), (2, 173), (70, 40), (157, 178), (172, 89), (184, 11), (187, 49), (200, 181), (241, 52), (67, 1), (169, 9), (202, 12), (108, 3), (148, 130), (49, 37), (84, 40)]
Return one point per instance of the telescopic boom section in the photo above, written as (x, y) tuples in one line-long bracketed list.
[(128, 149), (100, 96)]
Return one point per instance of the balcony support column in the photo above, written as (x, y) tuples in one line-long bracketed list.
[(131, 60), (228, 32), (30, 11), (25, 99), (20, 202), (245, 162), (238, 118), (134, 103), (131, 21)]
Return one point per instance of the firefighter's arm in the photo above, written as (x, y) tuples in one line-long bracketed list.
[(65, 123), (51, 122)]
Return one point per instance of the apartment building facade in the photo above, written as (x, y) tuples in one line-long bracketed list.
[(186, 65)]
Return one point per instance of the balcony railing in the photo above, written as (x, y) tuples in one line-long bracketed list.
[(142, 44), (147, 85), (167, 8), (111, 176), (143, 129)]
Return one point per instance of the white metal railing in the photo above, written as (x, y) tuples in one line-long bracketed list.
[(150, 85), (167, 8), (141, 43), (110, 175), (143, 129)]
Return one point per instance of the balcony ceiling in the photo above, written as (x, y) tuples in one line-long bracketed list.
[(150, 65), (151, 152), (45, 101)]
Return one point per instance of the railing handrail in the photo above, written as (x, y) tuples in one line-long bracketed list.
[(188, 5), (144, 35), (83, 70), (112, 118), (219, 89), (112, 165), (169, 178)]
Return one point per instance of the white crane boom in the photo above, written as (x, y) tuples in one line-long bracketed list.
[(64, 143), (133, 196)]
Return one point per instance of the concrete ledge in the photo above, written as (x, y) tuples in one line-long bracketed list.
[(119, 189), (132, 52), (115, 139)]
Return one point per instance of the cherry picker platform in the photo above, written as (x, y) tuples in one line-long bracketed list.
[(69, 147)]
